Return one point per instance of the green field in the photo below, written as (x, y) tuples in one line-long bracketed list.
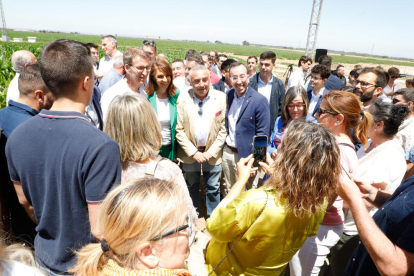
[(171, 48)]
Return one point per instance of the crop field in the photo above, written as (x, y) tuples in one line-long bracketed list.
[(172, 49)]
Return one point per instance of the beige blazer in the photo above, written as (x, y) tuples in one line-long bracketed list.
[(185, 127)]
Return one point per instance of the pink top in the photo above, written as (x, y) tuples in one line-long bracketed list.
[(349, 160), (214, 78), (166, 170)]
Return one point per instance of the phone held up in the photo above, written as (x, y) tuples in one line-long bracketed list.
[(259, 149)]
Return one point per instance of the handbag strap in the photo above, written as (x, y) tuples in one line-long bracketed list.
[(264, 206)]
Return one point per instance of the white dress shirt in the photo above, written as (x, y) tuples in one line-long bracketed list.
[(13, 92), (297, 78), (107, 63), (92, 114), (265, 88), (232, 118), (395, 87), (163, 113), (118, 89), (315, 98), (201, 122)]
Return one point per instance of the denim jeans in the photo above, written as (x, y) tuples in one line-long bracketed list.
[(211, 176)]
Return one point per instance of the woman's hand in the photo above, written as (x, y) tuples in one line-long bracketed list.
[(274, 154), (267, 167), (244, 167)]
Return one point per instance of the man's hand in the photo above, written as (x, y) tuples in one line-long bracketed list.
[(199, 157), (267, 167), (207, 155), (244, 167), (99, 75), (347, 189)]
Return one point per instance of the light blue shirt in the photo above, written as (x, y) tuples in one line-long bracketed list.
[(233, 116), (109, 80)]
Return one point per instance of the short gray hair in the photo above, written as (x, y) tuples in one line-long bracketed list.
[(118, 61), (20, 58), (132, 52), (111, 38), (195, 68)]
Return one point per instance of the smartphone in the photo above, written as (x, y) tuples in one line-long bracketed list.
[(259, 149)]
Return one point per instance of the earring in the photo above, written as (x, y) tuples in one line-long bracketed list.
[(335, 124)]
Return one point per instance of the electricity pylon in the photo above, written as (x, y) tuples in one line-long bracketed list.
[(4, 36), (314, 28)]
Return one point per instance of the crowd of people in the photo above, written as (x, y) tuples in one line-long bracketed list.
[(102, 162)]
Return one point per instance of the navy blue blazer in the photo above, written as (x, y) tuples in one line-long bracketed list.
[(254, 119), (317, 105), (96, 99), (220, 85)]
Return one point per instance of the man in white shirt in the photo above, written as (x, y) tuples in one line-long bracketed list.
[(269, 86), (392, 85), (150, 48), (405, 135), (298, 76), (369, 85), (19, 60), (252, 66), (214, 67), (136, 63), (201, 133), (178, 68), (109, 45), (319, 75), (183, 84)]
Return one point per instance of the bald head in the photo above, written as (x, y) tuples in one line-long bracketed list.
[(22, 58)]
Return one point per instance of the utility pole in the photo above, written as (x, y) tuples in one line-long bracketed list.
[(314, 28), (4, 36), (372, 49)]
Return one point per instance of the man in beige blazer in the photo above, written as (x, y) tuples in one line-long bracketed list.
[(200, 134)]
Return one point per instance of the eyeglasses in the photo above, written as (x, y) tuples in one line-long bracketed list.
[(200, 111), (394, 77), (141, 68), (148, 42), (362, 83), (321, 111), (298, 106), (315, 78), (188, 226), (241, 77)]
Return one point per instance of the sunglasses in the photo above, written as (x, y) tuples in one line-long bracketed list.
[(148, 42), (322, 111), (188, 226)]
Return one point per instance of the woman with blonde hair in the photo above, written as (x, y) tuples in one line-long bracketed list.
[(340, 112), (133, 124), (146, 230), (163, 95), (257, 232)]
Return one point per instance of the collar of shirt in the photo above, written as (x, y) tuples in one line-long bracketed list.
[(262, 82), (63, 115), (197, 100), (320, 93), (22, 108)]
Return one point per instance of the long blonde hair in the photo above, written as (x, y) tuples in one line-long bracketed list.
[(132, 122), (131, 214), (307, 168)]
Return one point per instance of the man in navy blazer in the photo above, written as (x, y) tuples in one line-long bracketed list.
[(319, 75), (269, 86), (247, 115), (93, 110)]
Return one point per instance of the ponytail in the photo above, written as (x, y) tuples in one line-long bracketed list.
[(362, 128), (90, 261)]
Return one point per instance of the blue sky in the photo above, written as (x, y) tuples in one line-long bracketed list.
[(345, 25)]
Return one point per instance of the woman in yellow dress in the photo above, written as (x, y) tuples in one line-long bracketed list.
[(259, 231)]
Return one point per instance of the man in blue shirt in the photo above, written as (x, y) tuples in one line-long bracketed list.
[(61, 165), (34, 96), (113, 75), (387, 239), (337, 79)]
